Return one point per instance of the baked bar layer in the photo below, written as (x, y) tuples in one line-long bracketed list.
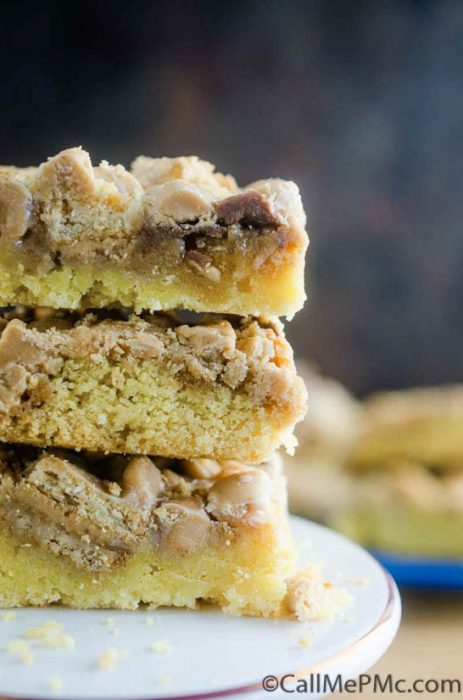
[(154, 532), (407, 509), (151, 385), (170, 234), (398, 475), (406, 531), (423, 426)]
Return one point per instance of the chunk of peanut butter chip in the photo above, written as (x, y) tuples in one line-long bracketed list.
[(16, 345), (142, 481), (180, 200), (15, 203), (123, 180), (201, 468), (190, 527), (70, 171), (238, 497), (284, 199), (155, 171), (219, 338)]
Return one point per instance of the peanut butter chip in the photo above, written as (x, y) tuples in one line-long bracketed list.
[(118, 175), (207, 341), (190, 526), (142, 482), (180, 200), (13, 384), (201, 468), (15, 203), (16, 345), (284, 199), (239, 497), (151, 172), (70, 170)]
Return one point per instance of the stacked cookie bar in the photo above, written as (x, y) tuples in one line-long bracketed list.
[(137, 459)]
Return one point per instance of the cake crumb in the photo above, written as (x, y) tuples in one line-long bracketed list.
[(110, 622), (164, 679), (56, 683), (305, 641), (16, 646), (163, 646), (8, 615), (149, 622), (21, 649), (114, 488), (51, 635), (108, 660), (309, 597), (27, 657)]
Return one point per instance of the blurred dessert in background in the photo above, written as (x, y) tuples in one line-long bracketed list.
[(318, 485), (387, 472)]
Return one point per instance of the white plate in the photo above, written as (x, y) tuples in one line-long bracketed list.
[(212, 655)]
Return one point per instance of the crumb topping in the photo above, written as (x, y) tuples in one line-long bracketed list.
[(56, 683), (246, 354), (67, 211)]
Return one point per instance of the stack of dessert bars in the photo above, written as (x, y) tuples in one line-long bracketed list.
[(137, 461)]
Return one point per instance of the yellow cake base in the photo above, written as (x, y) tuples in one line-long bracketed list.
[(276, 292), (142, 408), (246, 578)]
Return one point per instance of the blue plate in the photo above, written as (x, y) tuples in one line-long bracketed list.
[(423, 572)]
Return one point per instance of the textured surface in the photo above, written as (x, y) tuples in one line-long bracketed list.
[(150, 536), (96, 510), (152, 385), (171, 234), (387, 472)]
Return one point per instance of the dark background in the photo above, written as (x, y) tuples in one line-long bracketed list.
[(360, 102)]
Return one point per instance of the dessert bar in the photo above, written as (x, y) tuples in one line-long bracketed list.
[(423, 425), (407, 473), (105, 381), (152, 531), (170, 234)]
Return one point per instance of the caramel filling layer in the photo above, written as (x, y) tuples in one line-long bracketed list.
[(97, 510)]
